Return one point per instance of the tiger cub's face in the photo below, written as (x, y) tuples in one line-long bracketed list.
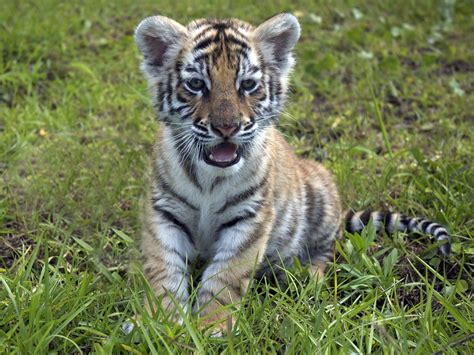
[(217, 84)]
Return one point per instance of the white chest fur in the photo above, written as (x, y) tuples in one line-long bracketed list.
[(215, 188)]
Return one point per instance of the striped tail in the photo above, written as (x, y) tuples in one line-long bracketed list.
[(357, 221)]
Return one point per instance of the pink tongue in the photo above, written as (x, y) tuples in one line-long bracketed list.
[(224, 152)]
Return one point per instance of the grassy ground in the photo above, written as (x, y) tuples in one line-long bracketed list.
[(383, 94)]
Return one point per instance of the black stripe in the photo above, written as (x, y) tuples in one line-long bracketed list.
[(318, 236), (349, 216), (220, 26), (179, 65), (254, 237), (252, 123), (236, 220), (293, 228), (247, 136), (278, 89), (181, 98), (232, 39), (153, 275), (190, 170), (155, 278), (443, 234), (253, 69), (403, 223), (439, 231), (199, 127), (203, 32), (280, 214), (170, 217), (365, 217), (270, 91), (189, 114), (151, 270), (166, 188), (314, 209), (217, 52), (263, 97), (188, 166), (205, 43), (244, 195), (202, 57), (424, 224), (169, 90), (386, 217), (220, 300), (434, 226), (161, 95), (181, 108), (251, 239), (190, 69), (202, 135)]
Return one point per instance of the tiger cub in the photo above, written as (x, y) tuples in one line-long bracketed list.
[(225, 185)]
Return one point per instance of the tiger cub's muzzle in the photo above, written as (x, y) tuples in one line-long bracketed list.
[(226, 153)]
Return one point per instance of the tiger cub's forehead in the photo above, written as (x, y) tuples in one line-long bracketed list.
[(209, 24), (220, 44)]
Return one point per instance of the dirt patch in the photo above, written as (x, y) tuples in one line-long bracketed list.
[(409, 63), (13, 243), (413, 295), (410, 273), (320, 104), (347, 77), (409, 270), (401, 108), (455, 66)]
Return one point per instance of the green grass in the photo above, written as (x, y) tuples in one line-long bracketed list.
[(383, 94)]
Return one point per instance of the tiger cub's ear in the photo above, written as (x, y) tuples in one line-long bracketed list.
[(159, 39), (276, 38)]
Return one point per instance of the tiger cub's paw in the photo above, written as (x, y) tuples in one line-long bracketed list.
[(217, 320)]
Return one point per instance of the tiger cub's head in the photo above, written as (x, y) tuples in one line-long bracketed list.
[(217, 84)]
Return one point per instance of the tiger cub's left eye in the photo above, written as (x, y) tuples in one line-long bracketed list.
[(195, 84), (248, 84)]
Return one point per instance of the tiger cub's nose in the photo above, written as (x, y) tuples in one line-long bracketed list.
[(226, 130)]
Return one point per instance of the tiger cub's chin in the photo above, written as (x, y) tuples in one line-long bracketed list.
[(225, 185)]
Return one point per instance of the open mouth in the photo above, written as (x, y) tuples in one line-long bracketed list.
[(223, 155)]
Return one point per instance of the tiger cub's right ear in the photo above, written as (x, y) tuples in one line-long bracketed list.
[(276, 38), (159, 38)]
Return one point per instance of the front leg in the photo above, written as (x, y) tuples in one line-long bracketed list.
[(240, 248), (167, 250)]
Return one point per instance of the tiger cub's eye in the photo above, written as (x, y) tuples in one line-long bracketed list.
[(248, 84), (195, 84)]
